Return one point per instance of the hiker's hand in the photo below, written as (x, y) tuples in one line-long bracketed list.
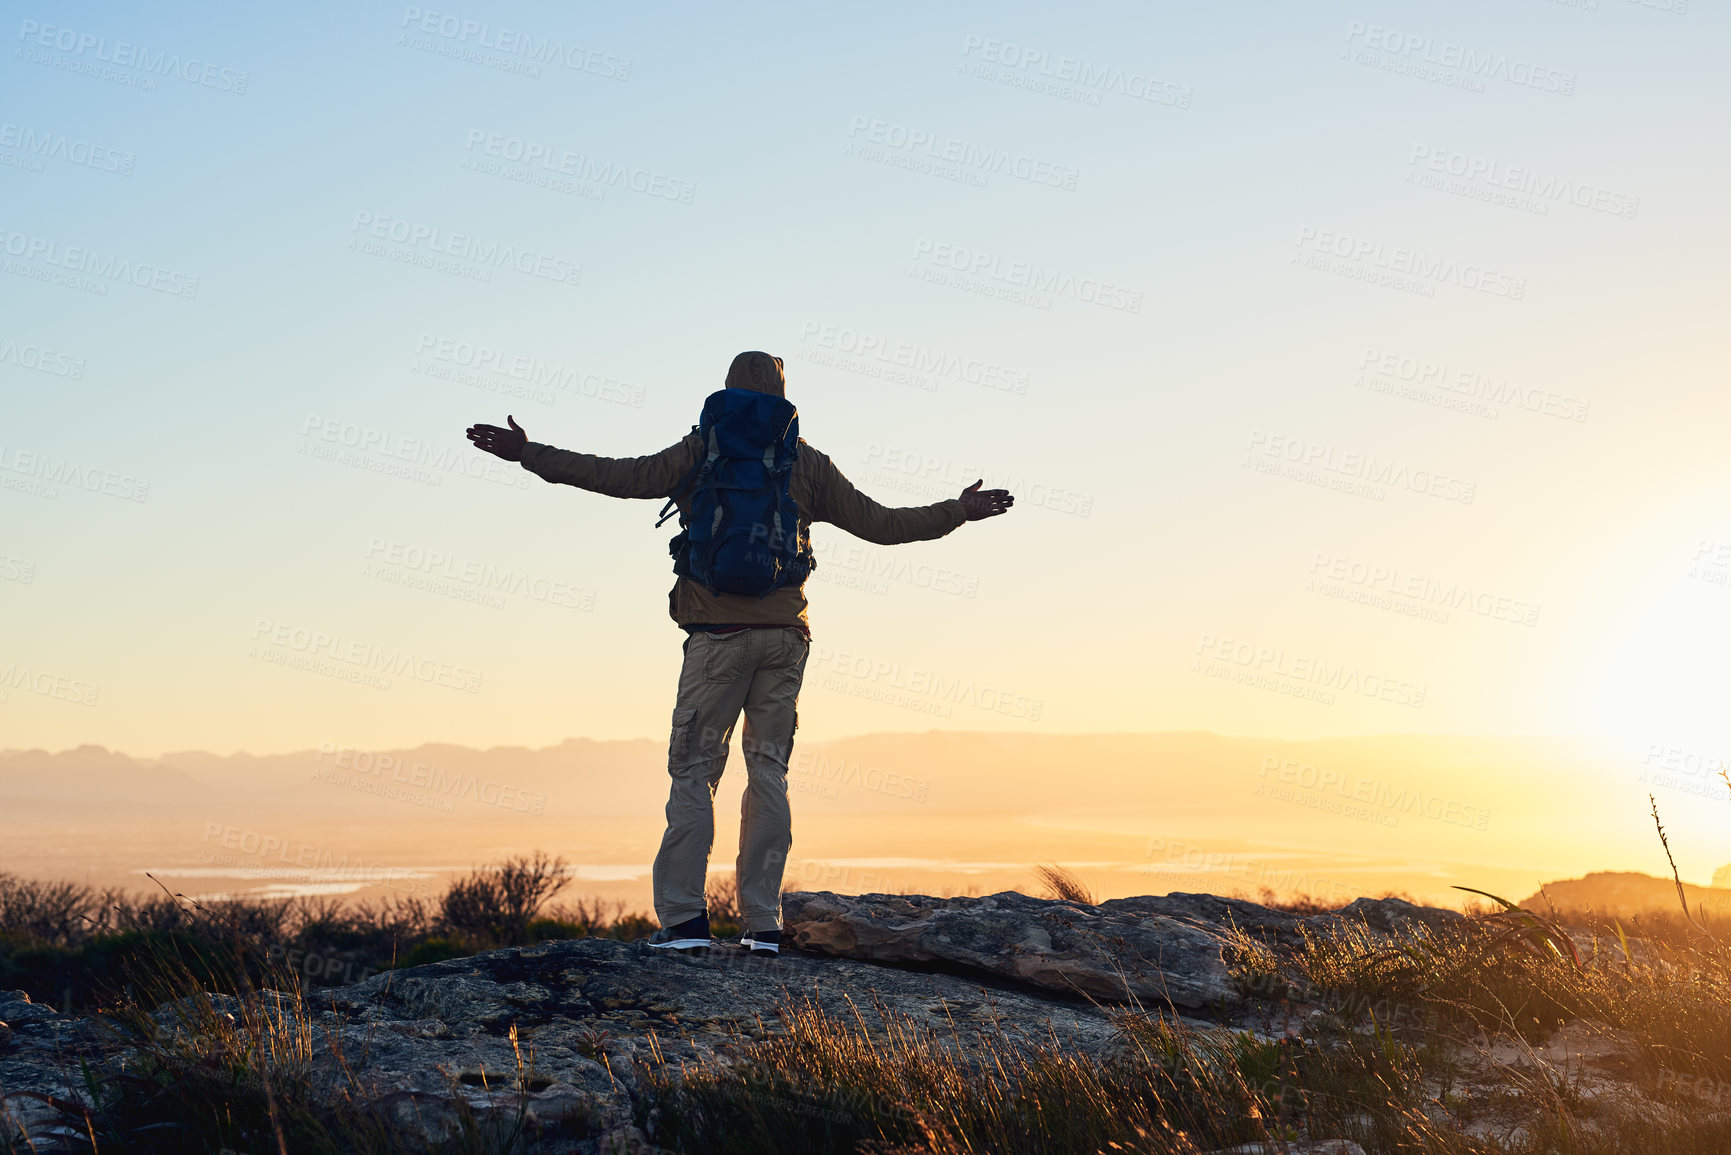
[(506, 443), (981, 503)]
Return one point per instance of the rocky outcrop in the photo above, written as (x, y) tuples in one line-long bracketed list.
[(1173, 949), (590, 1013), (40, 1055), (1074, 950), (591, 1016)]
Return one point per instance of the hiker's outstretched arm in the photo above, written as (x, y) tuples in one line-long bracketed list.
[(839, 503), (652, 476)]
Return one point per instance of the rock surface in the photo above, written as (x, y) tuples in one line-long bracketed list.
[(1151, 950), (591, 1015), (591, 1010), (40, 1051), (1310, 1147)]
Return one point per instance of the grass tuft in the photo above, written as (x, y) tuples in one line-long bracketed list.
[(1063, 885)]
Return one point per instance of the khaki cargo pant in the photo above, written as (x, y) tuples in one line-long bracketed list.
[(759, 671)]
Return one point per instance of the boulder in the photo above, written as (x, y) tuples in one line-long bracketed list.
[(16, 1009), (1153, 949), (1398, 916), (1112, 952)]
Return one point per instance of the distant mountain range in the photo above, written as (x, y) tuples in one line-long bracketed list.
[(1137, 813), (1473, 784), (1453, 796)]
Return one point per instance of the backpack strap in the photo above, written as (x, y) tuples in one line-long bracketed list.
[(694, 475), (770, 474)]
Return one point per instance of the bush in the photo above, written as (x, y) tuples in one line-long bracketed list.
[(495, 905), (66, 943)]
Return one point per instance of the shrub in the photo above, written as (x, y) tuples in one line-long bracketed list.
[(494, 905)]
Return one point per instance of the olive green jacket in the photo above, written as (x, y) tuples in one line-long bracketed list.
[(817, 486)]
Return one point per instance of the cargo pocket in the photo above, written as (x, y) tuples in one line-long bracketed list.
[(724, 657), (679, 745)]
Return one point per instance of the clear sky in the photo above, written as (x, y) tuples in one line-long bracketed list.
[(1352, 362)]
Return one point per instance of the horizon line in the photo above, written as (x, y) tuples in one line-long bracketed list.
[(13, 751)]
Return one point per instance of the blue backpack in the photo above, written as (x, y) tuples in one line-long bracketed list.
[(739, 532)]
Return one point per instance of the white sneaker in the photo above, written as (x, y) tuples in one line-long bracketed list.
[(692, 934), (761, 941)]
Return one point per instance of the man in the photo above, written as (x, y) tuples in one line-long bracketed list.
[(741, 653)]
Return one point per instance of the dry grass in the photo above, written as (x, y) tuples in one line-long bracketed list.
[(1526, 979), (820, 1084), (882, 1083), (1063, 885)]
